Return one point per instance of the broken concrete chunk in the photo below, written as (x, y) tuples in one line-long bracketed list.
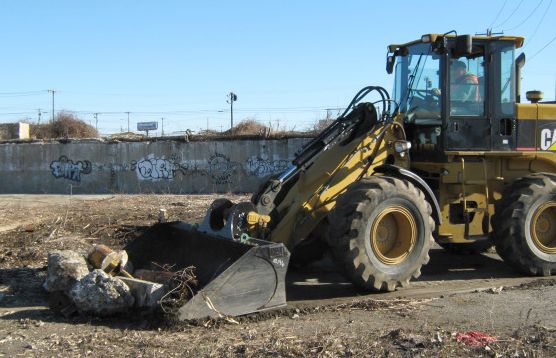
[(147, 294), (65, 268), (101, 294)]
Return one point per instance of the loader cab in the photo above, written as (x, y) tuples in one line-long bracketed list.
[(456, 93)]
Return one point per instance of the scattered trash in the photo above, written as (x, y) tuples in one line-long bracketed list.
[(101, 294), (65, 268), (496, 290), (474, 338), (437, 338)]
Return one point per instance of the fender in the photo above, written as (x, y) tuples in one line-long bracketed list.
[(416, 180)]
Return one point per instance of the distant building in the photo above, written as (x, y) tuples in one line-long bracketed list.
[(14, 131)]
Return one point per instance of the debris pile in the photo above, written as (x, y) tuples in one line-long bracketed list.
[(101, 294), (105, 283), (179, 288)]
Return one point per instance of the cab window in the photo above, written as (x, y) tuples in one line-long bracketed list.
[(467, 94), (504, 79)]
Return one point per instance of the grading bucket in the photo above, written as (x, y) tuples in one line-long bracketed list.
[(235, 278)]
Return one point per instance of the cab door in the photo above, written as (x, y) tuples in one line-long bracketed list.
[(503, 88), (468, 126)]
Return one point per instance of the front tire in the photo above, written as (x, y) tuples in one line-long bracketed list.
[(381, 232), (525, 225)]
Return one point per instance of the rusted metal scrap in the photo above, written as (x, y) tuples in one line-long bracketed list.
[(112, 262)]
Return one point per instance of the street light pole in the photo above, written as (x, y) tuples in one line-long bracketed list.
[(232, 97), (40, 113), (52, 91)]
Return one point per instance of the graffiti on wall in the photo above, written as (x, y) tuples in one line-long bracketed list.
[(218, 167), (260, 167), (221, 169), (68, 169), (152, 168)]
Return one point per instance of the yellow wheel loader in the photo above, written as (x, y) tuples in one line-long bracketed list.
[(451, 157)]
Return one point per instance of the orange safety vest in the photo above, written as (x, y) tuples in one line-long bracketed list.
[(471, 79)]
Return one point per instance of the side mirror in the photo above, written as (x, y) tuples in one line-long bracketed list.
[(439, 46), (464, 45), (390, 61)]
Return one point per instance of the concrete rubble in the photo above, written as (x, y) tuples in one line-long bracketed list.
[(108, 289), (101, 294), (147, 294), (65, 268)]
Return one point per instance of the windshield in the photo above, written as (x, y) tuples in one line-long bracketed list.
[(416, 84)]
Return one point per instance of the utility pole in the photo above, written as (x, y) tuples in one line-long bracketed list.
[(232, 97), (162, 119), (52, 91), (96, 121), (127, 121)]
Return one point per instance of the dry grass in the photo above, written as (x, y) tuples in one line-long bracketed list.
[(66, 125), (249, 127)]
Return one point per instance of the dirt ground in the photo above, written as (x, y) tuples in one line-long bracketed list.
[(326, 316)]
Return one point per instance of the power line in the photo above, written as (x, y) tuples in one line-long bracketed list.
[(21, 94), (208, 111), (527, 17), (511, 15), (542, 49), (497, 15), (15, 113), (539, 24)]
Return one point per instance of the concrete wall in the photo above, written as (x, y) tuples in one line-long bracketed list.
[(142, 167)]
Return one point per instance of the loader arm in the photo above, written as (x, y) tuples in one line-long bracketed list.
[(301, 197)]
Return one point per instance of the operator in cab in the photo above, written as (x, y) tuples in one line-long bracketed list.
[(464, 85)]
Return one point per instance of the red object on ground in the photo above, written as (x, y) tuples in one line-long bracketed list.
[(475, 338)]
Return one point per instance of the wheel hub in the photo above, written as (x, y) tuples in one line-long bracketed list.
[(393, 234), (543, 228)]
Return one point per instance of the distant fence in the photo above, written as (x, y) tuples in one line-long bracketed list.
[(95, 167)]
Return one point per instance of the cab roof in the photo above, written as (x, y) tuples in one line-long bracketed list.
[(518, 40)]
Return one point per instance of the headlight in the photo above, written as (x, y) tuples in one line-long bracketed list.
[(426, 38), (402, 146)]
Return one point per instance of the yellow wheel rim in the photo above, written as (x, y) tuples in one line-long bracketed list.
[(393, 235), (543, 227)]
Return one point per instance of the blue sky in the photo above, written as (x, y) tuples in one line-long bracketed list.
[(287, 60)]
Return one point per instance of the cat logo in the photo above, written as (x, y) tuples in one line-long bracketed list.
[(548, 139)]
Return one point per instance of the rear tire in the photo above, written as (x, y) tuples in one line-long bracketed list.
[(525, 225), (381, 232)]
